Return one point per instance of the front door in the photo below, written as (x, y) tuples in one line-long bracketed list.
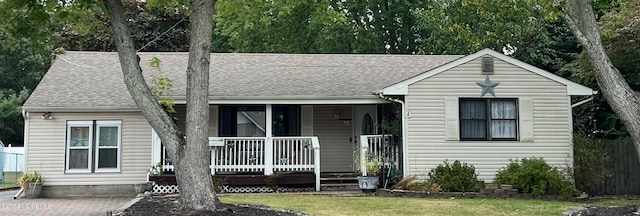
[(365, 123), (333, 126)]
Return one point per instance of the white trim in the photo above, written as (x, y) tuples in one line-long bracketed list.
[(401, 88), (89, 147), (571, 144), (108, 170), (118, 147), (79, 123), (293, 100), (81, 108), (77, 171), (25, 141), (268, 152), (156, 149), (232, 100)]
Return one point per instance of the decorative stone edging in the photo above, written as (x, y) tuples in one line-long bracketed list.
[(491, 192)]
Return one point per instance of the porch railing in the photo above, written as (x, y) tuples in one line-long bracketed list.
[(377, 146), (263, 154), (239, 154), (293, 154)]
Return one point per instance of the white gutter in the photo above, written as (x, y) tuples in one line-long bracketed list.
[(81, 109), (582, 102), (25, 143), (405, 114)]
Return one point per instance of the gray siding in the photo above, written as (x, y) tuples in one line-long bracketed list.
[(429, 147), (46, 141), (336, 151)]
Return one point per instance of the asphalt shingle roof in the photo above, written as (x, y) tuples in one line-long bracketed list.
[(94, 79)]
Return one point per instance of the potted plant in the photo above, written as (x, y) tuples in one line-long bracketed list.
[(31, 184), (369, 181)]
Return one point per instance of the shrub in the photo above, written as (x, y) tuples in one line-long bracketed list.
[(456, 177), (589, 158), (410, 183), (218, 183), (534, 176)]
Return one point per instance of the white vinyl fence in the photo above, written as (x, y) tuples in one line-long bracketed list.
[(13, 159)]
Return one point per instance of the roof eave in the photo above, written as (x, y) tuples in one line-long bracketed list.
[(299, 99), (80, 108)]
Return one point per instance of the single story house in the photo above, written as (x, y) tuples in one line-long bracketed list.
[(306, 114)]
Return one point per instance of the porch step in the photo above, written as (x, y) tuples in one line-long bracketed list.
[(339, 179), (339, 187), (338, 175)]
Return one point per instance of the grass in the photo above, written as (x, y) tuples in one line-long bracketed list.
[(10, 180), (8, 185), (11, 177), (334, 205)]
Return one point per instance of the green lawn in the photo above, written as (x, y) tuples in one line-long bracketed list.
[(8, 185), (10, 180), (334, 205), (11, 177)]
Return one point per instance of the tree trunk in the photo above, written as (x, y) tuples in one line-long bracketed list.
[(193, 174), (190, 156), (580, 18)]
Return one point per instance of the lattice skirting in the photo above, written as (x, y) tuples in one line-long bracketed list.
[(170, 189), (165, 189)]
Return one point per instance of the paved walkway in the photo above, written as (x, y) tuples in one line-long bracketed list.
[(59, 206)]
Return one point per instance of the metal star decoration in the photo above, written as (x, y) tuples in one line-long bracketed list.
[(487, 86)]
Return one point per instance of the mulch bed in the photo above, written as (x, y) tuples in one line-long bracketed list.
[(168, 205), (604, 211)]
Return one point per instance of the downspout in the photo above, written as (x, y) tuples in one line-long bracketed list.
[(405, 114), (571, 124), (581, 102), (25, 140)]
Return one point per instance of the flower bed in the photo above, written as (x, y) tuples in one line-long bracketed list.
[(491, 191)]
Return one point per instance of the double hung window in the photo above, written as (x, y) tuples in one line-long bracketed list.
[(488, 119), (93, 146)]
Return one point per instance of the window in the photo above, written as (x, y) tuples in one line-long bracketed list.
[(242, 121), (367, 124), (488, 119), (250, 121), (93, 146), (286, 120)]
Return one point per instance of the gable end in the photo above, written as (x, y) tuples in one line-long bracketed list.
[(401, 88)]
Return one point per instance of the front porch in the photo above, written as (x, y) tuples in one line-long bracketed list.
[(288, 161), (281, 161)]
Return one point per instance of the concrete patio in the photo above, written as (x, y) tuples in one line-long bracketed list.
[(61, 206)]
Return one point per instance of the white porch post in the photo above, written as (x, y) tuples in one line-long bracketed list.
[(156, 148), (268, 151), (316, 160), (212, 165), (364, 149)]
